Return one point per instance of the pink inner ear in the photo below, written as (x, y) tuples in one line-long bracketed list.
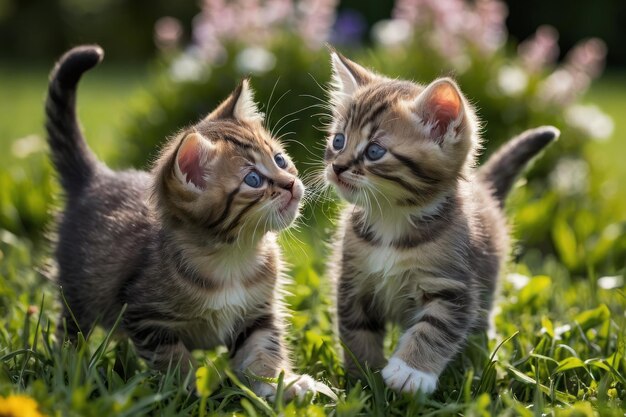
[(442, 107), (190, 160)]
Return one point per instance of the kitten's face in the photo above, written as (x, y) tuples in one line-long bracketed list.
[(229, 175), (395, 143)]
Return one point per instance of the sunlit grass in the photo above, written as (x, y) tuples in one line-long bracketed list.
[(558, 344)]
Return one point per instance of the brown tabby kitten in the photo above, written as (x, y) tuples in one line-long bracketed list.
[(423, 238), (190, 247)]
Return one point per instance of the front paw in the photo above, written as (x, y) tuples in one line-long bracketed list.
[(299, 385), (295, 386), (400, 377)]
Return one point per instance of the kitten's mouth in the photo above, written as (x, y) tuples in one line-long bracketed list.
[(345, 185), (289, 205)]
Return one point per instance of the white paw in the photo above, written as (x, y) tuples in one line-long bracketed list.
[(400, 377), (295, 386), (264, 390), (298, 386)]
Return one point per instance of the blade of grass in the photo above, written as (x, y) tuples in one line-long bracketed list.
[(259, 402), (105, 343), (492, 363)]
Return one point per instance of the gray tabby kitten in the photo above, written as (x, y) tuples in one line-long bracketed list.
[(424, 236), (189, 247)]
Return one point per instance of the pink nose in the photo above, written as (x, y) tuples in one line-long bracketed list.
[(288, 185), (339, 169)]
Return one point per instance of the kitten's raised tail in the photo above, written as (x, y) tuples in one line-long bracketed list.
[(503, 167), (70, 154)]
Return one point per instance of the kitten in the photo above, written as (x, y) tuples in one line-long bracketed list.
[(190, 247), (424, 236)]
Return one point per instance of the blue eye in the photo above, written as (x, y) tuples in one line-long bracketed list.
[(280, 160), (374, 152), (339, 141), (253, 179)]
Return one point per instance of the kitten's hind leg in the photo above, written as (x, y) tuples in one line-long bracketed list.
[(425, 348), (260, 351)]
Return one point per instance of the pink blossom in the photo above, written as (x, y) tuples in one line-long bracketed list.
[(315, 21), (563, 86), (587, 57), (541, 49), (453, 25), (491, 32), (583, 63), (255, 22), (276, 11), (406, 10), (167, 32)]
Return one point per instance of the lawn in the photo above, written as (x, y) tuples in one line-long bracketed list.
[(558, 345)]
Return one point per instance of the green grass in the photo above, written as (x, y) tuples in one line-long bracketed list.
[(558, 347)]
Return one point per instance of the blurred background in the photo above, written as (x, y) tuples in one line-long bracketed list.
[(522, 64), (40, 30)]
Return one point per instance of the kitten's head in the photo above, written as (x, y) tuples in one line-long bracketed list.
[(227, 175), (395, 143)]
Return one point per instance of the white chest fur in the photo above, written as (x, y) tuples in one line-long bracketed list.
[(388, 261), (241, 284), (395, 275), (220, 313)]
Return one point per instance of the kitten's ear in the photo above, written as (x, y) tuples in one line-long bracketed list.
[(192, 157), (440, 107), (348, 76), (239, 105)]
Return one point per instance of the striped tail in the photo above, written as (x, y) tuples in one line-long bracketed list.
[(503, 167), (71, 156)]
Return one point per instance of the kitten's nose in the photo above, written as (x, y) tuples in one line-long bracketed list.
[(288, 185), (339, 169)]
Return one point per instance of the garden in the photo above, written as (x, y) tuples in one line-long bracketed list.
[(558, 341)]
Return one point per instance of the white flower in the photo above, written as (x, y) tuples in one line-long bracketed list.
[(188, 67), (560, 330), (512, 80), (391, 32), (591, 120), (609, 283), (558, 87), (570, 176), (28, 145), (518, 281), (255, 60)]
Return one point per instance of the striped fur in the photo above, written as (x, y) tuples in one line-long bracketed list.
[(190, 248), (72, 159), (423, 238), (503, 167)]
